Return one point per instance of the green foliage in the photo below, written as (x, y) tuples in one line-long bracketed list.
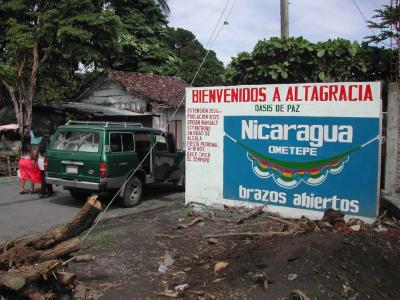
[(191, 53), (387, 22), (146, 44), (141, 43), (297, 60), (68, 33)]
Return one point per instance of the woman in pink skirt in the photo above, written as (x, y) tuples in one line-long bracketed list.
[(28, 171)]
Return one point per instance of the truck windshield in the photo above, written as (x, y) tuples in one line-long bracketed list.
[(77, 141)]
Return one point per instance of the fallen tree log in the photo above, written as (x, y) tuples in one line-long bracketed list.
[(82, 221), (33, 259), (34, 272), (79, 258), (50, 244), (60, 249), (84, 258), (17, 256)]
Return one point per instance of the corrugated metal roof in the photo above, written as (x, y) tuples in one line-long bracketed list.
[(98, 109)]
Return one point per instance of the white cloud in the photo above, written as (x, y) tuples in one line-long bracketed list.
[(252, 20)]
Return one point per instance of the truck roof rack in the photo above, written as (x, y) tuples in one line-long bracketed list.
[(104, 123)]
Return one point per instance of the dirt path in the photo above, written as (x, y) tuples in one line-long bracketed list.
[(323, 265)]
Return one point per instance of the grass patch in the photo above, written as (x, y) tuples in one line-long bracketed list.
[(103, 239)]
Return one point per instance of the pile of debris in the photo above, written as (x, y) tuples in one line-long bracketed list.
[(332, 220), (232, 244), (33, 267)]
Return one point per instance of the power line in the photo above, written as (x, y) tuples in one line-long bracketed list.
[(211, 41), (216, 25), (366, 21)]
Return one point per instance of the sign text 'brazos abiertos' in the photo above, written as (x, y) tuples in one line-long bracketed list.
[(298, 149)]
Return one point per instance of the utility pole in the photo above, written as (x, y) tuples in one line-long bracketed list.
[(284, 19)]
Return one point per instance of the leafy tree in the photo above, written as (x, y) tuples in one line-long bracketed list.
[(388, 24), (38, 33), (191, 53), (147, 45), (142, 43), (298, 60)]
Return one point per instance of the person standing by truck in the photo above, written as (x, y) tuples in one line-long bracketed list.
[(28, 169), (46, 189)]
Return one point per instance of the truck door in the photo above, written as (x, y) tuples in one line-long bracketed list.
[(121, 158), (164, 156)]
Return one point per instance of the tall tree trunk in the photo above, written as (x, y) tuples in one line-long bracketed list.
[(15, 102), (22, 100)]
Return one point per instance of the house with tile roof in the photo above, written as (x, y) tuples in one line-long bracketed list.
[(155, 97)]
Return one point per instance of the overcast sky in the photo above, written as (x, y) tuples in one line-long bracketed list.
[(252, 20)]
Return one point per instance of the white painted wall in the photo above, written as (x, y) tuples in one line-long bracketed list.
[(109, 93)]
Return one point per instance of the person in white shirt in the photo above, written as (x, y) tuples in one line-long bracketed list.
[(46, 189)]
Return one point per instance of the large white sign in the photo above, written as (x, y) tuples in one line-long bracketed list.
[(298, 149)]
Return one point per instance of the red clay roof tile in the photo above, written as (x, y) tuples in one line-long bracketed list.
[(169, 90)]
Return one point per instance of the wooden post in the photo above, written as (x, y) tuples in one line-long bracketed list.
[(284, 19), (392, 164)]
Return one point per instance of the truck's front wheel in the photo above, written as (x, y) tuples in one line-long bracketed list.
[(133, 192)]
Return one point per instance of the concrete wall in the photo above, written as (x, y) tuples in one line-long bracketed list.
[(392, 164)]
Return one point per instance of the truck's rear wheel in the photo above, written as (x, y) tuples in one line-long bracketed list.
[(79, 195), (133, 192)]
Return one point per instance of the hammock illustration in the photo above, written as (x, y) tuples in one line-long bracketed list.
[(289, 174)]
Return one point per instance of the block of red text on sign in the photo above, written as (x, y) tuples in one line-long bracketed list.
[(298, 149)]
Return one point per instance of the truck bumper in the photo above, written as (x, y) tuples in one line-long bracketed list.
[(86, 185)]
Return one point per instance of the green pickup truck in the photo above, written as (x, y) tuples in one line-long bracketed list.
[(90, 157)]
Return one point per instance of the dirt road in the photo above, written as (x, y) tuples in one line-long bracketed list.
[(328, 264)]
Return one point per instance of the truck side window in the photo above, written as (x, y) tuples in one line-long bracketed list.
[(115, 142), (127, 142), (162, 145)]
